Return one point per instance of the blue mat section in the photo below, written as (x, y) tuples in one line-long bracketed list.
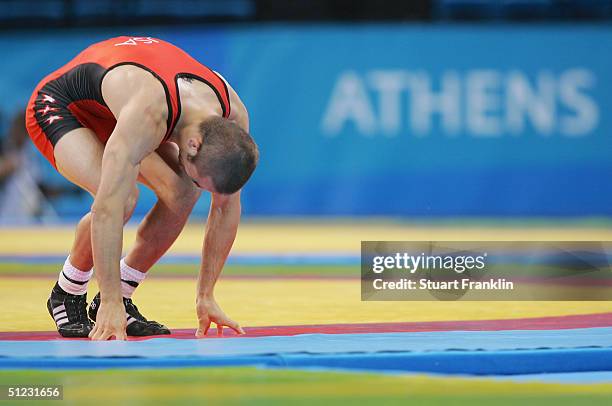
[(449, 362), (235, 259), (457, 352), (317, 344), (567, 377), (540, 256)]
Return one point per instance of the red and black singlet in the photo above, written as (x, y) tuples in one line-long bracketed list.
[(71, 97)]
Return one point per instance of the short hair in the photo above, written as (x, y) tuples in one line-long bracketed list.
[(228, 154)]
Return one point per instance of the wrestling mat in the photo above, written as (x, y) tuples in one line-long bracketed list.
[(307, 326)]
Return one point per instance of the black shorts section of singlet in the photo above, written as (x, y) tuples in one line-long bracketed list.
[(83, 82)]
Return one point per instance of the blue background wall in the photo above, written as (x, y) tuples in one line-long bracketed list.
[(396, 120)]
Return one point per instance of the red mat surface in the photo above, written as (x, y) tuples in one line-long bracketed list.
[(538, 323)]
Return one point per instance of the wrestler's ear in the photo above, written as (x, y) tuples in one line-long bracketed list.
[(193, 146)]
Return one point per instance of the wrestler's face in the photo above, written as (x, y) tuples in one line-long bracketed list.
[(187, 152), (191, 171), (202, 182)]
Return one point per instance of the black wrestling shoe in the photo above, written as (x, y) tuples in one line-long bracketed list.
[(69, 312), (137, 324)]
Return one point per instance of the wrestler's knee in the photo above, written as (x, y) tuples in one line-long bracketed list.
[(183, 197), (130, 204)]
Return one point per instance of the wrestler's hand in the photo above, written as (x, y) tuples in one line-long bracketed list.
[(110, 322), (208, 312)]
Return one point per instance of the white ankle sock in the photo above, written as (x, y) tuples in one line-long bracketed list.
[(130, 279), (73, 280)]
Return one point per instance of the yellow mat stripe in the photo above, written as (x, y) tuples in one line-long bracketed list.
[(273, 302), (300, 237)]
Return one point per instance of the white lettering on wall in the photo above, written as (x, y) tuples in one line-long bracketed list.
[(389, 86), (426, 103), (350, 103), (536, 104), (585, 112), (483, 103), (478, 103)]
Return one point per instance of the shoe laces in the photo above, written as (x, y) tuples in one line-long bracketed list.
[(132, 309), (76, 309)]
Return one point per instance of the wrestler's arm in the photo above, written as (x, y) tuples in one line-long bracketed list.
[(221, 229), (141, 125)]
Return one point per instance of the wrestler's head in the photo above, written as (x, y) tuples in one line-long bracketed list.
[(219, 155)]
